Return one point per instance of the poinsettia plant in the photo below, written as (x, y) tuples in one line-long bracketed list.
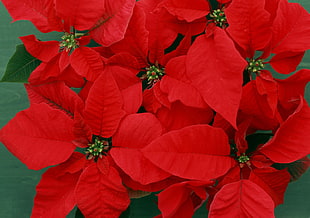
[(178, 98)]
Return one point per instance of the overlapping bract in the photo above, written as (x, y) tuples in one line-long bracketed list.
[(177, 97)]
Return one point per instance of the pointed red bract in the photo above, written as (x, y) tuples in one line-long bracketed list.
[(286, 62), (55, 193), (215, 68), (291, 141), (178, 200), (179, 116), (176, 81), (135, 132), (44, 51), (186, 151), (101, 195), (290, 29), (249, 24), (39, 136), (41, 13), (112, 25), (87, 62), (273, 181), (186, 10), (57, 95), (241, 199), (82, 14), (103, 107)]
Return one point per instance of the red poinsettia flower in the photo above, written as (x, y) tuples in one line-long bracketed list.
[(163, 75), (80, 175), (59, 64), (278, 25), (203, 153)]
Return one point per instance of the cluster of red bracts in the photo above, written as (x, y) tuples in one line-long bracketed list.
[(179, 97)]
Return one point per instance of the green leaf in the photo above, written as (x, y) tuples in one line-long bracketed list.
[(126, 213), (78, 213), (20, 66)]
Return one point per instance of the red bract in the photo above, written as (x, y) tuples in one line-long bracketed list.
[(182, 199), (215, 68), (91, 182), (186, 151), (35, 143), (290, 142), (106, 20), (241, 199)]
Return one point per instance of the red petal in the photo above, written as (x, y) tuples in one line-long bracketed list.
[(249, 24), (291, 29), (175, 82), (286, 62), (298, 168), (136, 30), (80, 14), (55, 194), (186, 10), (44, 51), (216, 68), (291, 88), (103, 107), (241, 199), (135, 132), (57, 95), (179, 116), (101, 195), (39, 136), (291, 141), (111, 27), (186, 151), (46, 72), (41, 13), (130, 86), (87, 62), (176, 200), (273, 181)]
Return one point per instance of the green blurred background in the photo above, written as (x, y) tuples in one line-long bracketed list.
[(17, 183)]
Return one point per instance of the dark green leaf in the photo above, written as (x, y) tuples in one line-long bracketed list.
[(20, 66), (126, 213), (78, 213), (257, 139)]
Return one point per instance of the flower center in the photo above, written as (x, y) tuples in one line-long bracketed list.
[(255, 65), (219, 17), (243, 158), (98, 148), (154, 74), (69, 42)]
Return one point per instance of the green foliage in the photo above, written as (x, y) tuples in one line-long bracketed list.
[(20, 66)]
